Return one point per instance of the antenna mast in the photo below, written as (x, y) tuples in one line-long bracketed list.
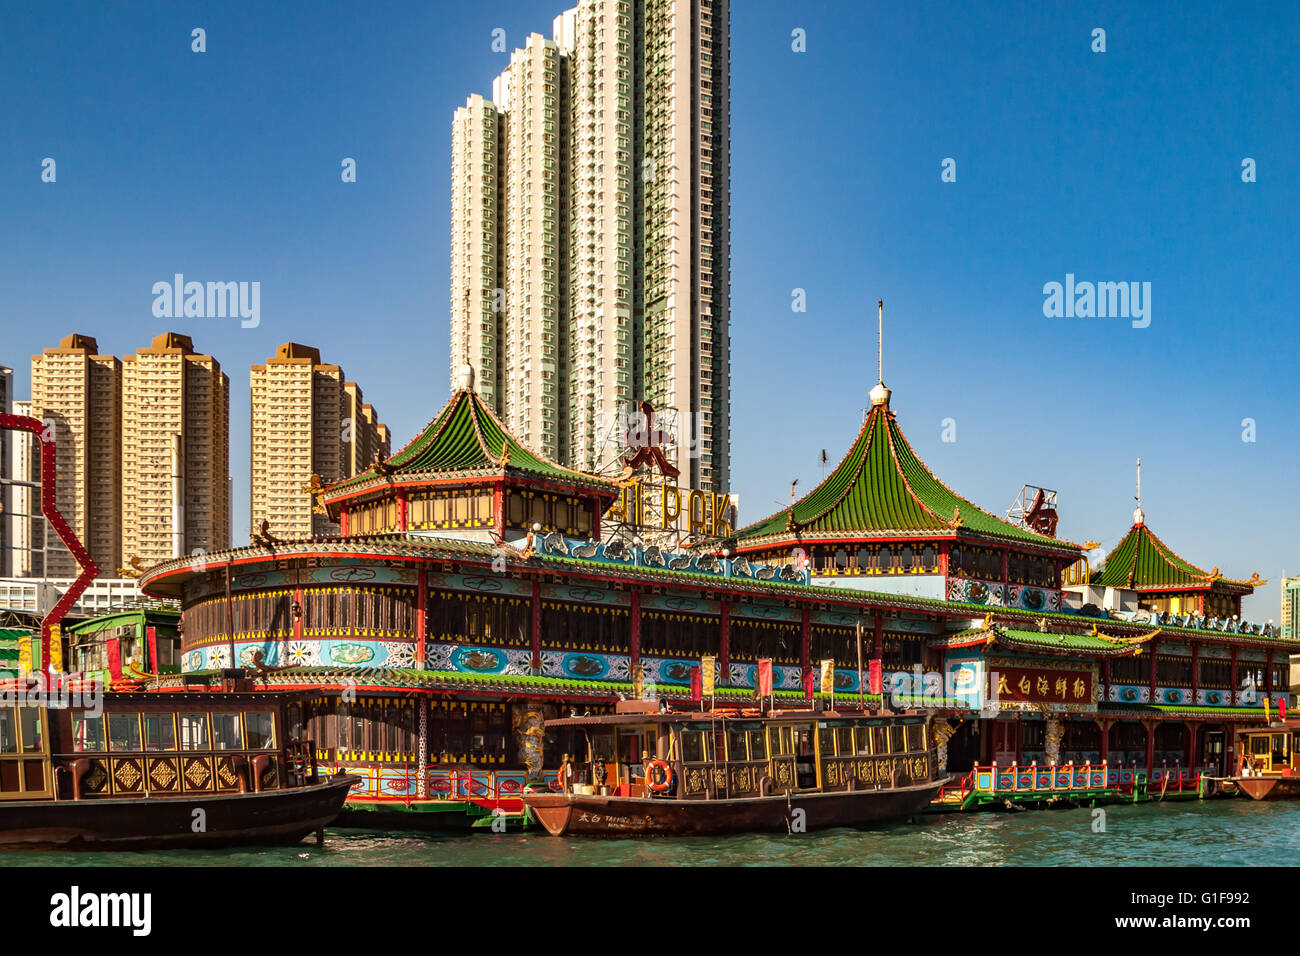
[(880, 340)]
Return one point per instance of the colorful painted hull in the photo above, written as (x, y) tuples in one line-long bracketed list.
[(578, 815), (272, 816), (1269, 788)]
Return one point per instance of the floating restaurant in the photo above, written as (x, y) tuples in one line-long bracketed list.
[(477, 590)]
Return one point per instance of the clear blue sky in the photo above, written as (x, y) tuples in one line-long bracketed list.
[(1123, 165)]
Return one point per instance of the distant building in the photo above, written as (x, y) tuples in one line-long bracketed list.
[(26, 525), (1291, 607), (138, 652), (35, 596), (79, 393), (175, 452), (6, 475), (305, 420)]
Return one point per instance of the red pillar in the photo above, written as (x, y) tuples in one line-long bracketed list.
[(1105, 738), (634, 630), (421, 616), (343, 521), (1105, 680), (535, 635), (297, 618), (1191, 743), (878, 648), (724, 644), (1020, 740), (1151, 743), (804, 663), (499, 509), (401, 512), (1152, 680), (1196, 671)]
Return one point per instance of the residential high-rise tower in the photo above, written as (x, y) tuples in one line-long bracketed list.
[(590, 232), (175, 452), (78, 393), (305, 420)]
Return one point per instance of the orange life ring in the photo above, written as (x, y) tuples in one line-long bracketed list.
[(665, 780)]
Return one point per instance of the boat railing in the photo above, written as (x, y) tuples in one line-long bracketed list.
[(1014, 778), (401, 783)]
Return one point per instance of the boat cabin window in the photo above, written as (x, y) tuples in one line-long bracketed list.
[(781, 741), (862, 740), (88, 734), (757, 744), (694, 747), (226, 732), (1280, 754), (880, 739), (1259, 745), (29, 722), (159, 731), (21, 730), (194, 731), (737, 745), (260, 725), (896, 744), (124, 732), (843, 741), (915, 736)]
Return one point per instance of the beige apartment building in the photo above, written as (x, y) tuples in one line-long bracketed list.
[(78, 392), (175, 452), (305, 420), (370, 438), (590, 232)]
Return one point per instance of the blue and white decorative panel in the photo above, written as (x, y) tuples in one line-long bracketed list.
[(305, 653), (996, 594), (1128, 694)]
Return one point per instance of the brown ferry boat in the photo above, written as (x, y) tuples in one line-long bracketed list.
[(155, 770), (675, 774)]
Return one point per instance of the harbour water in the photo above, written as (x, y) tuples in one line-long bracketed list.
[(1213, 833)]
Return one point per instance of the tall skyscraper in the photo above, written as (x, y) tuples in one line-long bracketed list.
[(590, 239), (305, 420), (175, 451), (79, 393)]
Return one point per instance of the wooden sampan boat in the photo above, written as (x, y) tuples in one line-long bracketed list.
[(156, 770), (1267, 765), (682, 774)]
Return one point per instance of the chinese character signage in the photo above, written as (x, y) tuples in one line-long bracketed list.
[(1041, 686)]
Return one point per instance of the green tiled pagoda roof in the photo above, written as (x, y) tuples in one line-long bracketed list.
[(882, 488), (1141, 561), (466, 438), (1086, 644)]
